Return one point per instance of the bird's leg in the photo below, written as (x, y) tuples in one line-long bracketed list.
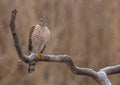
[(43, 48), (39, 54)]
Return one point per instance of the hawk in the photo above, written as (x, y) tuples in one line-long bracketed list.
[(38, 38)]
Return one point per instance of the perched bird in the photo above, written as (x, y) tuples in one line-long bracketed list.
[(38, 39)]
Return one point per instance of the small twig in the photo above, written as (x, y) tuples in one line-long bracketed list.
[(100, 76)]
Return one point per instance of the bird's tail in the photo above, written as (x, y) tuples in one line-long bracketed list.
[(31, 67)]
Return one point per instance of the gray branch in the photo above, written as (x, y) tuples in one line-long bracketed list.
[(14, 34), (100, 76)]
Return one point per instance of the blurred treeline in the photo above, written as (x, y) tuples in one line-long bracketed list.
[(87, 30)]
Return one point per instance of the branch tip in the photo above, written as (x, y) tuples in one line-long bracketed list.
[(14, 11)]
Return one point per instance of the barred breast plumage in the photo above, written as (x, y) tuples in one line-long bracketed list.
[(39, 37)]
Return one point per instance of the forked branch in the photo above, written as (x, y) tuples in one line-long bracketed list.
[(100, 76)]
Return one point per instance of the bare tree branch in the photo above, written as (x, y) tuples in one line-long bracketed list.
[(16, 40), (111, 69), (15, 37), (100, 76), (103, 79)]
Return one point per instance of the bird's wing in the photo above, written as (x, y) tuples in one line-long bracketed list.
[(30, 41)]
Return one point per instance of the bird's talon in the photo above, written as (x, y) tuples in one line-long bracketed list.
[(39, 54)]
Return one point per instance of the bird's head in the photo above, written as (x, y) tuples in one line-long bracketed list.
[(43, 22)]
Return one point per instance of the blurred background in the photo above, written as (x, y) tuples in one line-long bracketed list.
[(87, 30)]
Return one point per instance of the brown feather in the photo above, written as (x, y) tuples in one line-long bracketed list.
[(30, 41)]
